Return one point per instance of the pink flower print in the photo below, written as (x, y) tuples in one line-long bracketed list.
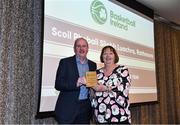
[(111, 94), (129, 120), (126, 91), (109, 83), (99, 76), (114, 94), (124, 73), (101, 70), (122, 111), (100, 99), (127, 111), (123, 118), (120, 88), (100, 118), (105, 94), (120, 80), (124, 67), (127, 85), (120, 100), (105, 78), (114, 119), (129, 79), (113, 76), (119, 70), (117, 84), (107, 100), (102, 107), (116, 81), (127, 103), (100, 81), (115, 109), (108, 114), (112, 102), (98, 93)]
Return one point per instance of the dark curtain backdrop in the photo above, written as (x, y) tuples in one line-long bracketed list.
[(167, 55), (20, 61)]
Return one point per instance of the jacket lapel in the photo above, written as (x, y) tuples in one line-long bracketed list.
[(75, 66)]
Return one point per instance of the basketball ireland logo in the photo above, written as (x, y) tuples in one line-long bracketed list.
[(98, 12)]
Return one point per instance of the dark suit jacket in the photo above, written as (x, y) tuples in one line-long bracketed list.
[(66, 79)]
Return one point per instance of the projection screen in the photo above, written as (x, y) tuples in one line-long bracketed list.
[(102, 23)]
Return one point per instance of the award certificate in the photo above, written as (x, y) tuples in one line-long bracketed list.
[(91, 78)]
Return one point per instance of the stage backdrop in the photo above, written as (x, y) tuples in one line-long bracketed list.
[(102, 23)]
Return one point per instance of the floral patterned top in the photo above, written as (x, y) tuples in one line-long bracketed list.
[(113, 106)]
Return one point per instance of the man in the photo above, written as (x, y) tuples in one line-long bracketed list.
[(73, 105)]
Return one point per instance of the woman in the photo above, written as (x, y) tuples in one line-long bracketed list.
[(111, 104)]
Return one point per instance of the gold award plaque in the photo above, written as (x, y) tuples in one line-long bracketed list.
[(91, 78)]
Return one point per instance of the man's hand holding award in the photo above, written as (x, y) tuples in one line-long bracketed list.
[(91, 78)]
